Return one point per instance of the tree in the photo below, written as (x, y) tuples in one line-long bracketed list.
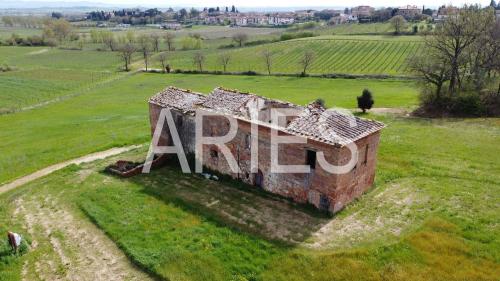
[(126, 52), (398, 23), (432, 69), (306, 61), (8, 21), (267, 55), (493, 4), (108, 38), (194, 13), (162, 58), (169, 39), (60, 29), (130, 36), (454, 37), (145, 48), (240, 38), (198, 60), (224, 59), (365, 101), (155, 40), (182, 14)]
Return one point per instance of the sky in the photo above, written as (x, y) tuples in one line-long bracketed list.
[(274, 3)]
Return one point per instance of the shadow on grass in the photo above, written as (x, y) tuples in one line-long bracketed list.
[(234, 204)]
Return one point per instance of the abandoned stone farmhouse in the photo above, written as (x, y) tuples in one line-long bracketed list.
[(324, 130)]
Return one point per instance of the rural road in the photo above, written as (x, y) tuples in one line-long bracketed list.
[(84, 159)]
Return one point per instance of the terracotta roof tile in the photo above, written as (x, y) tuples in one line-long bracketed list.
[(227, 101), (180, 99), (332, 126)]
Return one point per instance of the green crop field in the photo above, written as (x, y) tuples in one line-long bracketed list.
[(42, 74), (356, 55), (356, 29)]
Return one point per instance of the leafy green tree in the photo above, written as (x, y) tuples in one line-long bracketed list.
[(398, 23)]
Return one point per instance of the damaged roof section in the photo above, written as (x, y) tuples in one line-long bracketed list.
[(180, 99), (313, 122), (332, 126), (227, 101)]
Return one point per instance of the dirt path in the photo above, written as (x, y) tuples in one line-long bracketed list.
[(69, 247), (53, 168), (387, 110)]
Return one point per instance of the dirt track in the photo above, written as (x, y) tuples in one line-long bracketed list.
[(84, 159), (70, 248)]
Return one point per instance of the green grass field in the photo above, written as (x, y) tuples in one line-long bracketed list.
[(432, 215), (43, 74), (113, 113), (343, 54)]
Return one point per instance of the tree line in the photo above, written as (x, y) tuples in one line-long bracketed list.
[(55, 31), (460, 67)]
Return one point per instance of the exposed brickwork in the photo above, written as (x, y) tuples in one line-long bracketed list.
[(319, 187)]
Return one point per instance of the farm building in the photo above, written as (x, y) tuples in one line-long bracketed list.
[(322, 130)]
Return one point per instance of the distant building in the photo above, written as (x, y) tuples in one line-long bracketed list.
[(171, 25), (409, 11), (340, 19), (445, 12), (304, 14), (281, 19), (362, 11)]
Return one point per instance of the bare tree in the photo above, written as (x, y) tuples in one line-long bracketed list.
[(224, 59), (169, 39), (198, 60), (306, 61), (398, 23), (126, 52), (145, 47), (240, 38), (155, 40), (267, 55), (432, 69), (162, 58), (455, 36), (484, 56)]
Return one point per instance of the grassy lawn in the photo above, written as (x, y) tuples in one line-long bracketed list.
[(115, 113), (53, 58), (43, 74), (333, 54), (432, 215)]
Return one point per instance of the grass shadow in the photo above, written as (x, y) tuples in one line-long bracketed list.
[(234, 204)]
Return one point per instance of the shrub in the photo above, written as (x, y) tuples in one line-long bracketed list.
[(5, 68), (365, 101), (250, 72), (491, 103), (466, 104), (290, 36)]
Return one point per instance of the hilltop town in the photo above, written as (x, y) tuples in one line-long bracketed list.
[(170, 19)]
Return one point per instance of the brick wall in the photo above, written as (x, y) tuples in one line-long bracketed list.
[(320, 188)]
